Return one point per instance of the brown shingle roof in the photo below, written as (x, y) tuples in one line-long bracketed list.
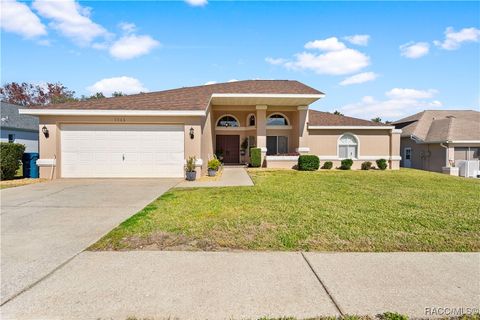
[(319, 118), (188, 98), (442, 125)]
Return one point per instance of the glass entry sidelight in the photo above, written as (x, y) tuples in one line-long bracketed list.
[(277, 145)]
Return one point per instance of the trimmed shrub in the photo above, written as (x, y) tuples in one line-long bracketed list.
[(327, 165), (308, 162), (10, 157), (382, 164), (255, 157), (367, 165), (346, 164)]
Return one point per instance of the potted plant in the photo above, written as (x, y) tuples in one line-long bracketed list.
[(213, 166), (190, 173)]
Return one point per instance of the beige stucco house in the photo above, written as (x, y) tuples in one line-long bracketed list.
[(151, 134), (434, 139)]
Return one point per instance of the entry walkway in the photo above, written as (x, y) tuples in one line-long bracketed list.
[(231, 177)]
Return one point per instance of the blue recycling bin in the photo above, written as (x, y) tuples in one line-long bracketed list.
[(30, 168)]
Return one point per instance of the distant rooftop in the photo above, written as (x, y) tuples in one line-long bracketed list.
[(11, 119), (441, 125)]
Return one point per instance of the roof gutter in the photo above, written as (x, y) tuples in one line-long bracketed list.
[(97, 112)]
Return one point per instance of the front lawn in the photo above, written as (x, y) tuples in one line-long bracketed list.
[(406, 210)]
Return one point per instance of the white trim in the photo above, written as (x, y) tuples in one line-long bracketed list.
[(278, 127), (267, 95), (335, 157), (234, 128), (363, 158), (97, 112), (380, 157), (281, 158), (396, 130), (261, 107), (227, 115), (263, 149), (303, 149), (464, 141), (46, 162), (302, 108), (352, 127)]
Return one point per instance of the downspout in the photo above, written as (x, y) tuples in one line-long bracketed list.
[(53, 164), (447, 161)]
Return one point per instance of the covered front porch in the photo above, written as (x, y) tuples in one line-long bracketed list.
[(276, 130)]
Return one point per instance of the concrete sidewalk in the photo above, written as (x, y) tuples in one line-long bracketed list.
[(231, 177), (249, 285)]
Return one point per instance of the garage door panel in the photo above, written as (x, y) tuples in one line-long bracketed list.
[(122, 150)]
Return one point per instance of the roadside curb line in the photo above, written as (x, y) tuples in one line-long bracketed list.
[(334, 301)]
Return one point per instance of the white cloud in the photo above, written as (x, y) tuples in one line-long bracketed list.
[(196, 3), (123, 84), (209, 83), (336, 58), (329, 44), (132, 46), (275, 61), (358, 39), (414, 50), (399, 103), (359, 78), (17, 17), (453, 40), (401, 93), (127, 27), (333, 63), (71, 20), (232, 80)]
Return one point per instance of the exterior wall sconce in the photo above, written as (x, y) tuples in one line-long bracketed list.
[(45, 131), (192, 133)]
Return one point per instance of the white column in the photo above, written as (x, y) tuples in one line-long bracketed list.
[(262, 129)]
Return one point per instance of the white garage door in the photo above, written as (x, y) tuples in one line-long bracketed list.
[(130, 151)]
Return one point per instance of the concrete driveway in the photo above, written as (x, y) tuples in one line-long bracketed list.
[(45, 225)]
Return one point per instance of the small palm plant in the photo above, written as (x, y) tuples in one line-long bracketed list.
[(190, 172)]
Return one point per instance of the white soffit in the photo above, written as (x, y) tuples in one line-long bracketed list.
[(264, 99)]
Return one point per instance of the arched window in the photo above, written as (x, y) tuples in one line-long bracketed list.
[(277, 119), (251, 121), (347, 146), (228, 121)]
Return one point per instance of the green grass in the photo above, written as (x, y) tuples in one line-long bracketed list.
[(405, 210)]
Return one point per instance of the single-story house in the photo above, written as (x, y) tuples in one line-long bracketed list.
[(151, 134), (433, 139), (18, 128)]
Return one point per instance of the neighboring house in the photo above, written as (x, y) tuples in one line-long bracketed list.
[(151, 134), (18, 128), (433, 138)]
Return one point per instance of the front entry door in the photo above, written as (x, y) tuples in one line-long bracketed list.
[(407, 157), (229, 146)]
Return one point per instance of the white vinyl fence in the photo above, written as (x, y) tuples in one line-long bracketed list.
[(468, 168)]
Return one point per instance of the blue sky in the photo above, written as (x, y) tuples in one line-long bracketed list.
[(406, 56)]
